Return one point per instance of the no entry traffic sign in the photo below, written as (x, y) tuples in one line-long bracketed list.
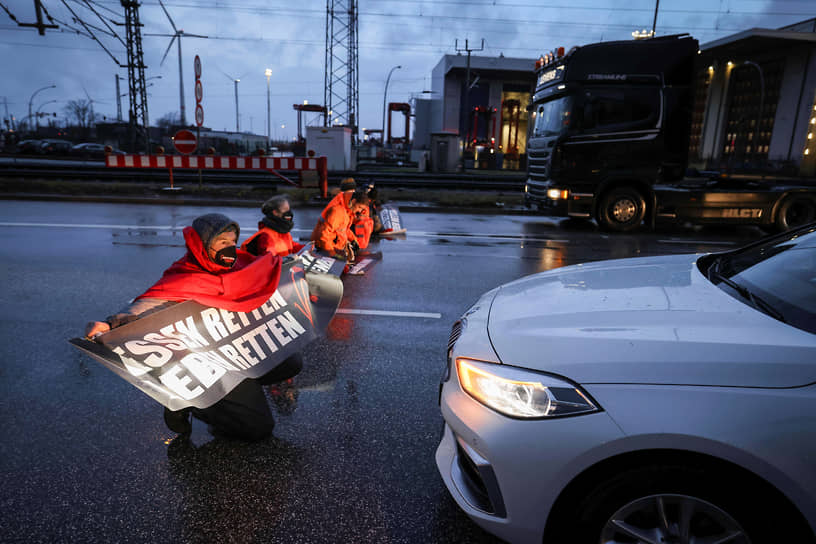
[(185, 142)]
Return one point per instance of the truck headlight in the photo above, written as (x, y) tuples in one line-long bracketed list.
[(521, 393), (557, 194)]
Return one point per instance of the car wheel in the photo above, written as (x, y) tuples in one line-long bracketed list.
[(793, 212), (621, 209), (663, 504)]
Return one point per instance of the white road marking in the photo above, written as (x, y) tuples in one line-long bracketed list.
[(520, 238), (389, 313), (85, 226), (486, 236)]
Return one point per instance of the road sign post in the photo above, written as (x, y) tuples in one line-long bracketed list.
[(199, 109)]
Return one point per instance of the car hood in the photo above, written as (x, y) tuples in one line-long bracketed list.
[(652, 320)]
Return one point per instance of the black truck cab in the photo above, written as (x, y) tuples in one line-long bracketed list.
[(607, 122)]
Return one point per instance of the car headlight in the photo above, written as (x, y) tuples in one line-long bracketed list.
[(521, 393)]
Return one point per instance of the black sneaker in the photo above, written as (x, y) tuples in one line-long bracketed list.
[(179, 421)]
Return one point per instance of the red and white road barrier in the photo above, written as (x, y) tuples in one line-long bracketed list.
[(198, 162)]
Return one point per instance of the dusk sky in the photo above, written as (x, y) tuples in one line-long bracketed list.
[(247, 36)]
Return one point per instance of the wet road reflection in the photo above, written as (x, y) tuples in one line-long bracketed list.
[(86, 457)]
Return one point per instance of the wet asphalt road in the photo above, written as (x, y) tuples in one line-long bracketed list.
[(85, 457)]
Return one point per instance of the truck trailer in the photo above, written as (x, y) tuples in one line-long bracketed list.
[(609, 136)]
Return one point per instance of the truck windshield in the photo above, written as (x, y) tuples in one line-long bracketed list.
[(551, 118)]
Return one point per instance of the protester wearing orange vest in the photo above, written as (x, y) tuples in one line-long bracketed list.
[(362, 225), (333, 230), (273, 234)]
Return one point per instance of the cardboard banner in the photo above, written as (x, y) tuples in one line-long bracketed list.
[(319, 261), (391, 220), (193, 355), (315, 260)]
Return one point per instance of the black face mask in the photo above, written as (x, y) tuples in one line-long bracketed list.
[(281, 224), (226, 256)]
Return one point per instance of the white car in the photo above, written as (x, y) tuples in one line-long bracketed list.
[(645, 400)]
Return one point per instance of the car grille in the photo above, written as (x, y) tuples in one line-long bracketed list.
[(473, 479), (456, 332)]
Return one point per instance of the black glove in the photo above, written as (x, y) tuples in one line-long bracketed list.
[(355, 247)]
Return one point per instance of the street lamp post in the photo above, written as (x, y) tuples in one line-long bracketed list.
[(32, 99), (385, 94), (268, 73)]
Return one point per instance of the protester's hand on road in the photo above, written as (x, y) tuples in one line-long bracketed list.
[(94, 328)]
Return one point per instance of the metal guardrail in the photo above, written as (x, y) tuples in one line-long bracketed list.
[(90, 171)]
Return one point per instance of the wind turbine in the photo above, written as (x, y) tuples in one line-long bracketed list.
[(178, 35), (235, 80)]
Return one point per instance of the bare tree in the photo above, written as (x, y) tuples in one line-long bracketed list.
[(80, 111)]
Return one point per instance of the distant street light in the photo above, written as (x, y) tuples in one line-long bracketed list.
[(37, 115), (385, 94), (32, 99), (268, 73)]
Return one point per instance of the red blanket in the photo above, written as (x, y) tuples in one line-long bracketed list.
[(242, 288)]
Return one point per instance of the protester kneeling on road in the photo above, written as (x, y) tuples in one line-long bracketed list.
[(273, 235), (215, 273), (333, 232)]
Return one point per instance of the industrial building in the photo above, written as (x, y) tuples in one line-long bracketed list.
[(758, 69), (769, 69)]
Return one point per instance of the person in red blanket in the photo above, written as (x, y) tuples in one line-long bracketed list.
[(215, 273), (273, 234)]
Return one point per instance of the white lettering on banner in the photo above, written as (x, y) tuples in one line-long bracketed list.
[(172, 343), (178, 384), (291, 324), (229, 321), (319, 264), (212, 322), (221, 323), (246, 351), (131, 365), (158, 355), (275, 303), (243, 318), (230, 353), (256, 335), (204, 371)]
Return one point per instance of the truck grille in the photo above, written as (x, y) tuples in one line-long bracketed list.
[(538, 164)]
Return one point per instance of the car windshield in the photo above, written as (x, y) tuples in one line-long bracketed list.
[(777, 276), (551, 118)]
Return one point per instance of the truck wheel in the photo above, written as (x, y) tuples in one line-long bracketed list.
[(622, 209), (793, 212)]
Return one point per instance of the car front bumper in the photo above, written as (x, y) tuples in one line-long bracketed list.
[(506, 473)]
